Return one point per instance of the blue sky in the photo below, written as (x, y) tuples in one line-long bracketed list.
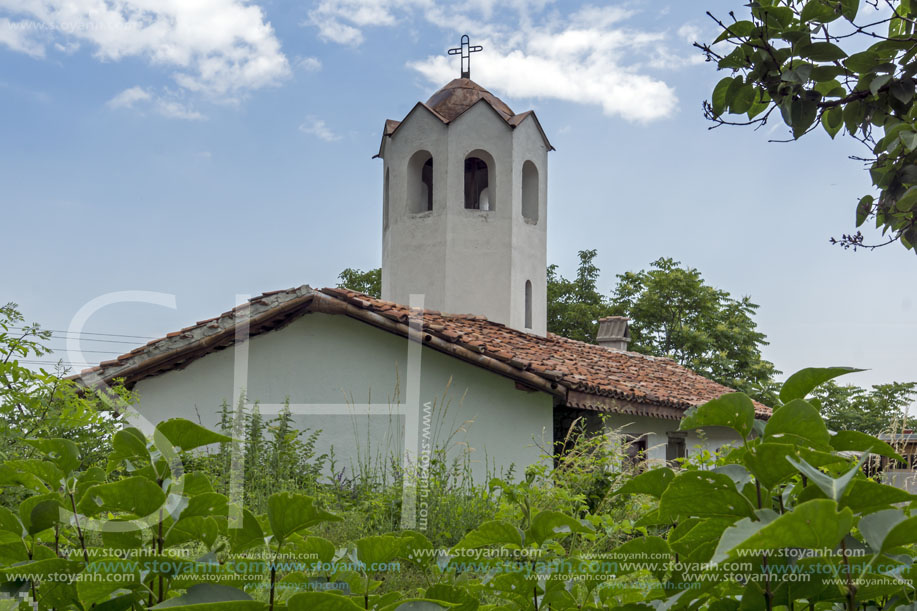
[(207, 149)]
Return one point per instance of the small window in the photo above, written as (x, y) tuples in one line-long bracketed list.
[(528, 304), (477, 183), (420, 182), (675, 448), (635, 451), (530, 192)]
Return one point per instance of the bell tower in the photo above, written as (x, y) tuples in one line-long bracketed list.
[(464, 206)]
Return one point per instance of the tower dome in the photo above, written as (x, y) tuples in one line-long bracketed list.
[(460, 95)]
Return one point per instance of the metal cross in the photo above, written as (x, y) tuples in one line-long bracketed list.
[(466, 50)]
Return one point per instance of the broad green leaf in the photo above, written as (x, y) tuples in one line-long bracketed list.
[(211, 597), (734, 410), (206, 504), (452, 594), (739, 29), (849, 9), (10, 476), (417, 604), (740, 532), (861, 442), (192, 484), (819, 11), (834, 488), (10, 523), (833, 120), (30, 503), (49, 473), (136, 495), (642, 553), (879, 82), (802, 113), (719, 95), (864, 209), (865, 496), (699, 493), (113, 537), (379, 549), (494, 532), (245, 534), (321, 601), (806, 380), (822, 52), (888, 529), (798, 422), (652, 482), (43, 516), (62, 452), (314, 547), (185, 435), (768, 463), (907, 201), (553, 525), (43, 569), (289, 513), (695, 540), (743, 99), (195, 528), (862, 62), (813, 525)]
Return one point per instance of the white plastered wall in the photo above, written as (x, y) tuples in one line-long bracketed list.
[(331, 359)]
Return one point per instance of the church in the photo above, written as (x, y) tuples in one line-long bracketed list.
[(456, 353)]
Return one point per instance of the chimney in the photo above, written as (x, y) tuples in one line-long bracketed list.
[(614, 332)]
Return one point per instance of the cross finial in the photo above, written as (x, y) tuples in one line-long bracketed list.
[(466, 50)]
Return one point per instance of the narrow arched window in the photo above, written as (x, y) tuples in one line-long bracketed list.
[(530, 192), (385, 197), (528, 304), (478, 195), (420, 182)]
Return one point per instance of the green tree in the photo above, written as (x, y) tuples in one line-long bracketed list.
[(368, 282), (846, 65), (883, 408), (674, 313), (575, 306)]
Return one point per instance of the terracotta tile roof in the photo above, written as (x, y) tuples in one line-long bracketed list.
[(579, 374)]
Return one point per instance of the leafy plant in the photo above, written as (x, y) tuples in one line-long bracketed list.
[(842, 65)]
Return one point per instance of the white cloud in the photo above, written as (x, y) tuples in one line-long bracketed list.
[(308, 64), (220, 48), (588, 56), (129, 97), (15, 35), (165, 105), (317, 127)]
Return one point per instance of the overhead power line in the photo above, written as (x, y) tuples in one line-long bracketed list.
[(90, 333)]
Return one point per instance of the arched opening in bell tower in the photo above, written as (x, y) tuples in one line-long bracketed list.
[(420, 182), (387, 187), (528, 304), (479, 188), (530, 192)]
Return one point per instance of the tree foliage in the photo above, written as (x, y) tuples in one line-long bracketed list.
[(43, 404), (842, 65), (576, 305), (880, 409), (368, 282), (675, 313)]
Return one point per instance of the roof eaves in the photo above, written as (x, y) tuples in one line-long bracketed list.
[(176, 350)]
